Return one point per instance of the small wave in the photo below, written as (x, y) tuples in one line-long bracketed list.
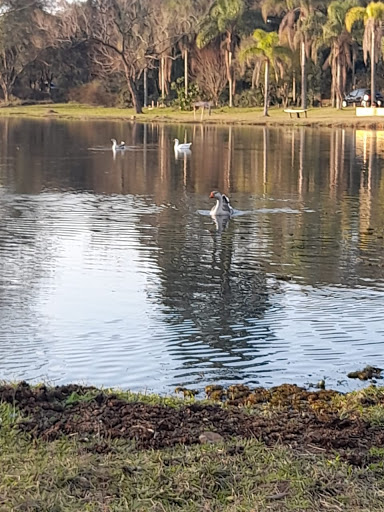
[(100, 148), (277, 210)]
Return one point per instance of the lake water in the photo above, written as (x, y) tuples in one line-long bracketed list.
[(110, 275)]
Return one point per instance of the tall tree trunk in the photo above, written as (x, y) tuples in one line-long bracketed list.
[(294, 88), (254, 76), (5, 94), (303, 76), (353, 69), (135, 96), (5, 88), (266, 87), (333, 79), (186, 72), (137, 104), (167, 74), (162, 78), (373, 62), (230, 78), (145, 87), (338, 84), (228, 64)]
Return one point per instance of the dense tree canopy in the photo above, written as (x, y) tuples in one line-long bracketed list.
[(120, 52)]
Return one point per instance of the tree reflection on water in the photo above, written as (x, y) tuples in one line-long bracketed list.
[(209, 281)]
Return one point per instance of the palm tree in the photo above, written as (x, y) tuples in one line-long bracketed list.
[(221, 21), (336, 37), (184, 19), (299, 27), (372, 16), (185, 45), (264, 47)]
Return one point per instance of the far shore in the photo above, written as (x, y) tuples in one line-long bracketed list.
[(326, 117)]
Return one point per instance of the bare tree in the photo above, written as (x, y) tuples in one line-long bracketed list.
[(209, 71), (121, 37), (176, 26), (185, 19), (125, 36), (20, 40)]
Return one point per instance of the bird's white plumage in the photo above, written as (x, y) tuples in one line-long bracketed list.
[(116, 146), (223, 206), (183, 146)]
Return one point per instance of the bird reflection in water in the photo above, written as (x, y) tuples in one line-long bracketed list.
[(182, 153), (221, 222)]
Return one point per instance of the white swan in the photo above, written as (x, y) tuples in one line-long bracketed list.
[(182, 147), (222, 206), (116, 146)]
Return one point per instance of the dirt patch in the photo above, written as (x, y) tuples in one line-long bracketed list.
[(286, 414)]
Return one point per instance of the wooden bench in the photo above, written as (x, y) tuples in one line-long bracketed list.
[(296, 111)]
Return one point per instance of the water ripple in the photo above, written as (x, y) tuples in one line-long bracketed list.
[(110, 276)]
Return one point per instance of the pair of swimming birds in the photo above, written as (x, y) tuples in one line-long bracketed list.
[(118, 147), (178, 147)]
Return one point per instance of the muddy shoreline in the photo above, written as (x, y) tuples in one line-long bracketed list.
[(281, 449), (286, 415)]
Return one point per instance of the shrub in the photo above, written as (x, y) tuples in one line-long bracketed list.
[(123, 99), (185, 101), (249, 98), (92, 93)]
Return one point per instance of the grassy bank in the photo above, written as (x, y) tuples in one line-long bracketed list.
[(73, 448), (235, 476), (325, 117)]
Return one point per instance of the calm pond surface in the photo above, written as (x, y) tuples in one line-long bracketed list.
[(111, 276)]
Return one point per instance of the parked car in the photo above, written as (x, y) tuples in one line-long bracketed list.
[(362, 97)]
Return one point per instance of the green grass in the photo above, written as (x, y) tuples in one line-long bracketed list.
[(235, 476), (101, 474), (326, 116), (129, 396), (69, 475), (66, 110)]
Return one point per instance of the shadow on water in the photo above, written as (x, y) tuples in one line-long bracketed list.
[(111, 276)]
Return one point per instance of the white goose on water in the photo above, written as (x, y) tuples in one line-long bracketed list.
[(116, 146), (182, 147), (222, 206)]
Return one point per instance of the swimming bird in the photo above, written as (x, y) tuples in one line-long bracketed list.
[(222, 206), (116, 146), (182, 147)]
